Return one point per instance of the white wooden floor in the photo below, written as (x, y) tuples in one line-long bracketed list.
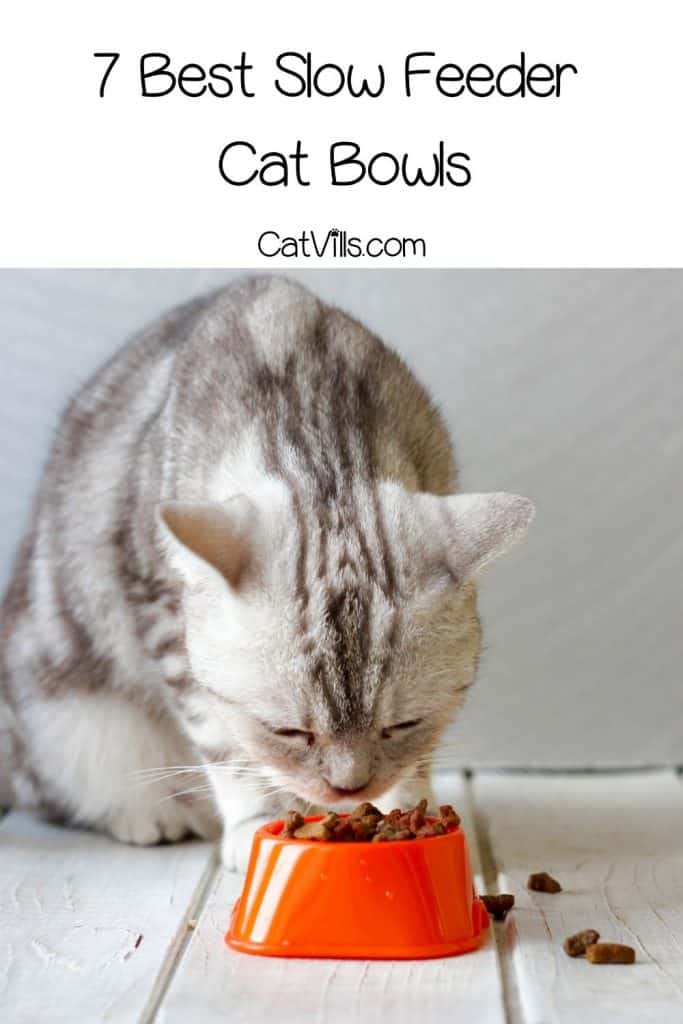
[(94, 931)]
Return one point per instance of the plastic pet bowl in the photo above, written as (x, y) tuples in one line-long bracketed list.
[(408, 899)]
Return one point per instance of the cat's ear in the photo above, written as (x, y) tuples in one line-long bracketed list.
[(474, 529), (209, 536)]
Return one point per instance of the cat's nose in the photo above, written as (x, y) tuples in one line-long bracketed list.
[(348, 770)]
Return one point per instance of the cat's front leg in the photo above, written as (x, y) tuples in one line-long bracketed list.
[(243, 809), (237, 841)]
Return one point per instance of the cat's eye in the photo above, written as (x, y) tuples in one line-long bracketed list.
[(388, 732), (296, 734)]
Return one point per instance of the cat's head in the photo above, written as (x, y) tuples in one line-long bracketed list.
[(332, 645)]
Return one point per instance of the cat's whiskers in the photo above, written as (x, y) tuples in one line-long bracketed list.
[(207, 788), (191, 791), (248, 776), (163, 770)]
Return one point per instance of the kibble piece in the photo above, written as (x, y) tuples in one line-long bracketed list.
[(293, 821), (577, 944), (342, 831), (391, 835), (312, 830), (318, 829), (402, 833), (499, 905), (363, 831), (541, 881), (610, 953), (365, 810), (413, 819), (448, 816), (369, 821), (414, 816), (431, 828)]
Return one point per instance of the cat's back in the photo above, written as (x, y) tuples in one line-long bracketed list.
[(262, 359), (269, 356)]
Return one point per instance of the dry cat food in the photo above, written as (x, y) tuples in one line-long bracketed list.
[(586, 944), (541, 881), (366, 823), (499, 905), (577, 944), (610, 953)]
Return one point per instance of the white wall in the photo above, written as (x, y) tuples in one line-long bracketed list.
[(565, 385)]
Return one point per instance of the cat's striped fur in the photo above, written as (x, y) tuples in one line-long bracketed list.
[(239, 532)]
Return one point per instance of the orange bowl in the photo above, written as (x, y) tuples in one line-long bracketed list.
[(409, 899)]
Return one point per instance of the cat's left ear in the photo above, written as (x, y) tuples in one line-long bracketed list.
[(209, 538), (471, 530)]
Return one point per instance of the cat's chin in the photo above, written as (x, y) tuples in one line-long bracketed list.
[(404, 792), (328, 801)]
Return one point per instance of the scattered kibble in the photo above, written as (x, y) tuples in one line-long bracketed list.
[(191, 923), (576, 945), (500, 905), (541, 881), (366, 823), (610, 953)]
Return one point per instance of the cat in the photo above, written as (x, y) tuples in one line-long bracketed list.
[(249, 582)]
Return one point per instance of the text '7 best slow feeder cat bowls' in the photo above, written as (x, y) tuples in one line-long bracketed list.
[(409, 899)]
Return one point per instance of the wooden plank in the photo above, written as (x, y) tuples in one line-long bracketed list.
[(615, 842), (214, 983), (86, 922)]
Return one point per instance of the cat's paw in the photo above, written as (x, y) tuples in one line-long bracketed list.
[(147, 824), (236, 844), (202, 820), (135, 827)]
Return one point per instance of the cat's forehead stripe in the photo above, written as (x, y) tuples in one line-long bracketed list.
[(304, 399)]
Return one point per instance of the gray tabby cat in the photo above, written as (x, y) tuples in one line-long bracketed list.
[(247, 560)]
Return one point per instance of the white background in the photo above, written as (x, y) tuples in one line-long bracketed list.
[(562, 385), (590, 179)]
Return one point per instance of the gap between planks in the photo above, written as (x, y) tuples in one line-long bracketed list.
[(490, 883), (181, 940)]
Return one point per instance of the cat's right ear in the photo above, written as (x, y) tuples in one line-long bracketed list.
[(209, 537)]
